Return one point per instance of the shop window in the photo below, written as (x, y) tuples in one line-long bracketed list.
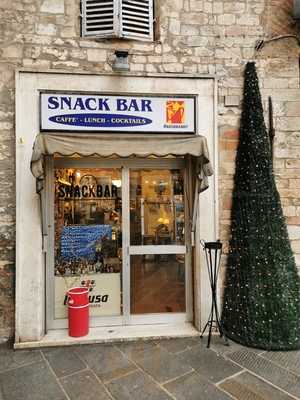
[(88, 238), (128, 19)]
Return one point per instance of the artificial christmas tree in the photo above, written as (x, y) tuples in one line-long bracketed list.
[(261, 306)]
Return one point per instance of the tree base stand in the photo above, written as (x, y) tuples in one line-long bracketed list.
[(213, 251)]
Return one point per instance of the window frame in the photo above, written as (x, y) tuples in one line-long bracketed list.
[(117, 31)]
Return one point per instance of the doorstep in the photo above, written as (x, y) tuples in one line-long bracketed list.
[(60, 337)]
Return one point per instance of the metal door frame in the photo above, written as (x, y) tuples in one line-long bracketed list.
[(127, 250)]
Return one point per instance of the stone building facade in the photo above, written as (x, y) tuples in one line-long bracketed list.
[(192, 37)]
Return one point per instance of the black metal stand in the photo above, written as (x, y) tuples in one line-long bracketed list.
[(213, 251)]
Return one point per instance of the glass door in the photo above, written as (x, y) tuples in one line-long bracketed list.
[(121, 231), (157, 246)]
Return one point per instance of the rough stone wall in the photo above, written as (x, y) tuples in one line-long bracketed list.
[(193, 36)]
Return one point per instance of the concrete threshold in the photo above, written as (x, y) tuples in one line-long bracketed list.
[(60, 337)]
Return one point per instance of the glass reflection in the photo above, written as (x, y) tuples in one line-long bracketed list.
[(88, 238), (156, 207), (157, 283)]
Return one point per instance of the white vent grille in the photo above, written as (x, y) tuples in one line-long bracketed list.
[(137, 18), (98, 18), (132, 19)]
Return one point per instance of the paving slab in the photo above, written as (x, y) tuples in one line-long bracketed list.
[(105, 360), (84, 385), (266, 369), (178, 345), (64, 361), (287, 359), (133, 349), (247, 386), (209, 364), (218, 345), (194, 387), (161, 365), (30, 382), (13, 359), (136, 386)]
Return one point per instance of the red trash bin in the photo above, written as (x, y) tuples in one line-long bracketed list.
[(78, 311)]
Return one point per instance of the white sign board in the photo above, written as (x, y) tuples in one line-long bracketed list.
[(94, 113), (104, 294)]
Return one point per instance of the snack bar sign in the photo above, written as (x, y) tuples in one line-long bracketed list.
[(94, 113)]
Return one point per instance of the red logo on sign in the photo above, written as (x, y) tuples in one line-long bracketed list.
[(175, 112)]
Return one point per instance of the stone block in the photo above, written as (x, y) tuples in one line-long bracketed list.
[(226, 19), (204, 52), (84, 385), (296, 246), (289, 211), (46, 29), (292, 109), (294, 232), (276, 83), (294, 183), (196, 5), (288, 123), (191, 385), (248, 20), (218, 7), (29, 62), (173, 67), (292, 164), (137, 67), (189, 30), (207, 7), (194, 18), (68, 32), (169, 58), (96, 55), (174, 26), (136, 385), (232, 101), (293, 220), (53, 6), (12, 51), (190, 69), (234, 7), (154, 59)]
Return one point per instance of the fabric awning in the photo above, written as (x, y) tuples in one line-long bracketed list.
[(123, 146)]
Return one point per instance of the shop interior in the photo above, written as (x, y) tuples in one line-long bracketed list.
[(88, 233)]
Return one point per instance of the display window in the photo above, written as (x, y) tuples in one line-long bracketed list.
[(88, 238)]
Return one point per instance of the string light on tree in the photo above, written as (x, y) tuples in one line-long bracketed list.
[(261, 306)]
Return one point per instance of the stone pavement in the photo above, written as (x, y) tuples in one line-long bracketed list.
[(182, 369)]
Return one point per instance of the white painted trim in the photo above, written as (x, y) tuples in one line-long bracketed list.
[(216, 161), (144, 74), (114, 334), (50, 295), (126, 244), (30, 272)]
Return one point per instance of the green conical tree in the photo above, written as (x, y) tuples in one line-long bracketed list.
[(261, 306)]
